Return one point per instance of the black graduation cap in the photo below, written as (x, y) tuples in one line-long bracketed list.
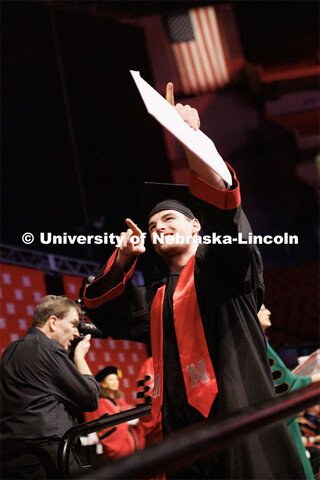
[(166, 196), (110, 369)]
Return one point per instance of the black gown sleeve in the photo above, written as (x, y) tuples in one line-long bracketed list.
[(231, 255), (123, 312)]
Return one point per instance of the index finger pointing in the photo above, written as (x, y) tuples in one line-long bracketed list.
[(170, 94), (135, 229)]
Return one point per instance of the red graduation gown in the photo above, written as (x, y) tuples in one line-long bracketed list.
[(119, 441)]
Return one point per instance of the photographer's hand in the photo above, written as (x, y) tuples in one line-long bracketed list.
[(79, 355)]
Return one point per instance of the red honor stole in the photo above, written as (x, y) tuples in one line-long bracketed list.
[(198, 374)]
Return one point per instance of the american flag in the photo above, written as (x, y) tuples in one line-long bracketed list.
[(198, 50)]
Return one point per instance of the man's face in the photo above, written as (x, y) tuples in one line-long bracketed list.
[(66, 328), (175, 231)]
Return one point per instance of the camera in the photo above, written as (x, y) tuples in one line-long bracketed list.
[(85, 327)]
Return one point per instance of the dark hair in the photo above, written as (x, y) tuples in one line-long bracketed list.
[(55, 305)]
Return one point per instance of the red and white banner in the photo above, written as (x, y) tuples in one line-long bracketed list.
[(21, 290)]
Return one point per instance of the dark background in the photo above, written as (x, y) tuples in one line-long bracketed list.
[(116, 144), (77, 142)]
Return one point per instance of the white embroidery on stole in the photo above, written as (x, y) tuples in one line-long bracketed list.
[(198, 374)]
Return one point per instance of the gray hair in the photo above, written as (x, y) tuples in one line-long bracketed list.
[(55, 305)]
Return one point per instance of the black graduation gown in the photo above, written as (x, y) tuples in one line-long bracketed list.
[(229, 286)]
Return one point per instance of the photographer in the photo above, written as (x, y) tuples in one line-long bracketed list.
[(42, 390)]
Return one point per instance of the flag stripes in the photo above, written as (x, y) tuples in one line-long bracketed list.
[(200, 56)]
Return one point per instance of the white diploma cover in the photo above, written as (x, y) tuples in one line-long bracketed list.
[(169, 118)]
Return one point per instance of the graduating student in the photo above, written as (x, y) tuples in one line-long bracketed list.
[(208, 348)]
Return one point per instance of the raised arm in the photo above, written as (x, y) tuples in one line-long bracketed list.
[(191, 117), (80, 353), (120, 263), (130, 245)]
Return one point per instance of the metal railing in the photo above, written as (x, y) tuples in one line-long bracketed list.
[(197, 441), (105, 421)]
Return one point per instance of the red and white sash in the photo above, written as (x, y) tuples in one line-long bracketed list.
[(198, 374)]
